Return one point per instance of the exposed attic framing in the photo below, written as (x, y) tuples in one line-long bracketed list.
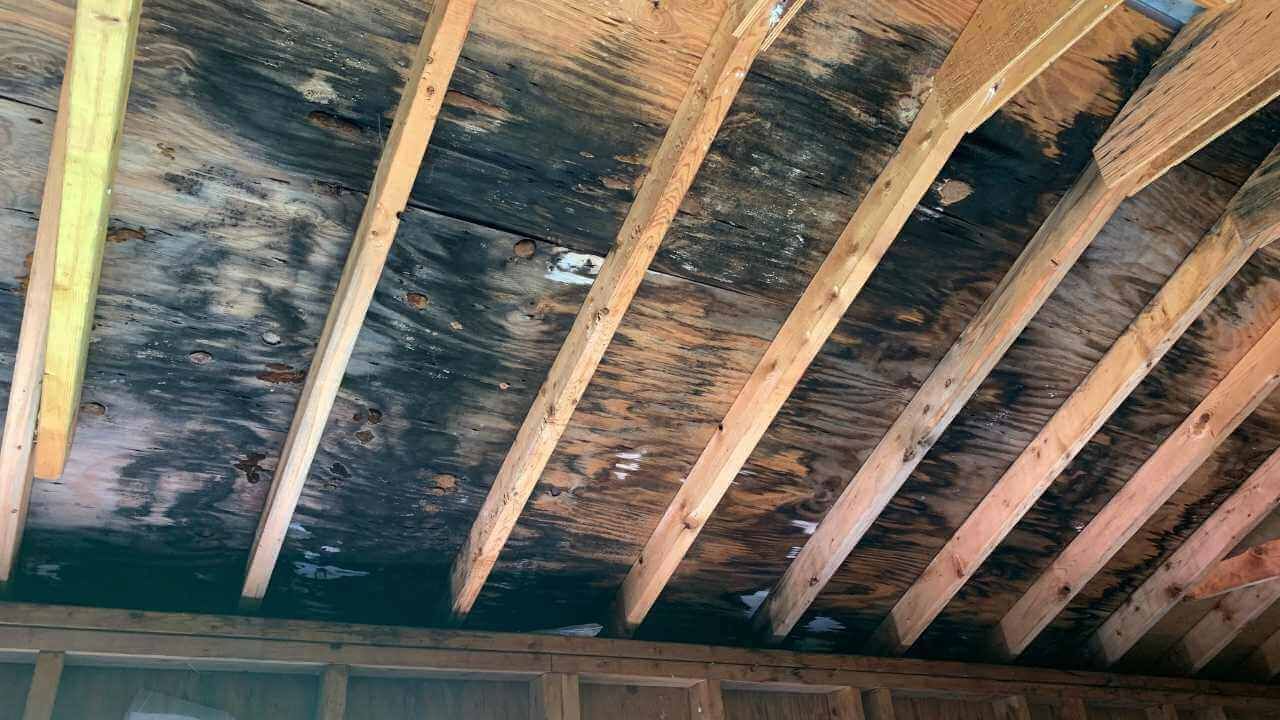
[(1219, 70)]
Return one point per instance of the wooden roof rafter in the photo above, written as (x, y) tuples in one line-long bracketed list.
[(1200, 277), (741, 35), (1181, 454), (1193, 562), (437, 56), (1003, 46)]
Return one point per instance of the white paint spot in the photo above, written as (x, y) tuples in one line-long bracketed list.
[(587, 630), (753, 601), (779, 10), (824, 625), (318, 90), (809, 526), (313, 571), (310, 554), (49, 571), (329, 549), (573, 268), (299, 530), (794, 552)]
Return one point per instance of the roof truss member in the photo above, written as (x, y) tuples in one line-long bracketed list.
[(437, 56), (1193, 560), (742, 32), (1214, 419), (1256, 565), (99, 72), (1004, 46), (1043, 264)]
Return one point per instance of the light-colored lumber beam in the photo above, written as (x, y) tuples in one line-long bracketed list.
[(424, 92), (846, 704), (1193, 560), (989, 54), (706, 701), (1204, 272), (715, 84), (1229, 617), (877, 703), (1041, 267), (43, 692), (28, 364), (1073, 709), (1216, 60), (332, 703), (1174, 461), (555, 696), (1014, 707), (1256, 565), (99, 72)]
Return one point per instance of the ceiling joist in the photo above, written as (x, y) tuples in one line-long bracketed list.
[(419, 107), (737, 41), (1192, 561), (990, 53), (99, 72), (1181, 454)]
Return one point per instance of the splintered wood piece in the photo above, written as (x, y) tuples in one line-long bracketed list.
[(555, 696), (1228, 618), (1256, 565), (724, 68), (1191, 287), (706, 701), (28, 364), (1181, 454), (989, 52), (419, 107), (99, 72), (1216, 60), (332, 704), (1193, 560), (43, 692)]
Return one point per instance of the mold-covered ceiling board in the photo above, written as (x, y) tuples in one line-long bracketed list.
[(179, 186), (954, 107), (823, 433), (741, 35), (417, 112)]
